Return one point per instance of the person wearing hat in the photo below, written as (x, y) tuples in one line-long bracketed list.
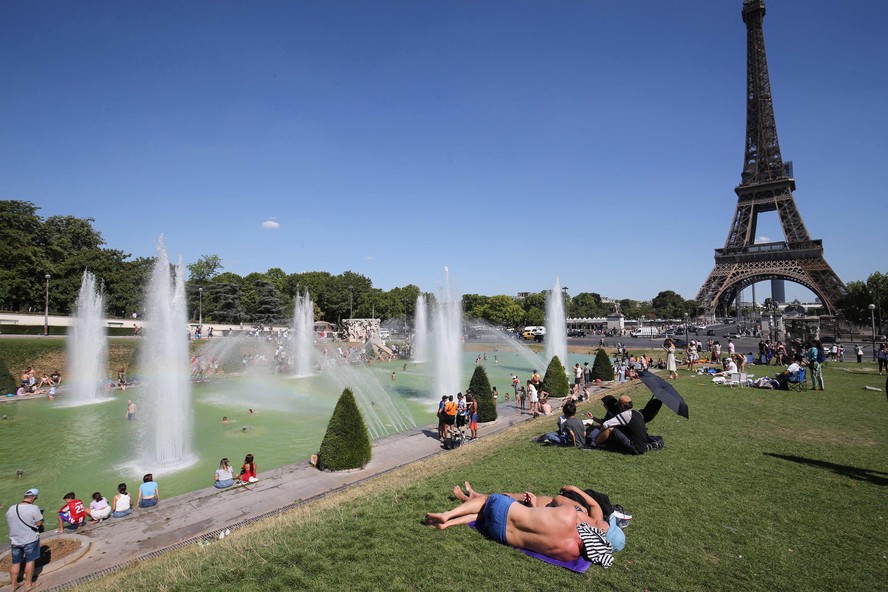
[(24, 520)]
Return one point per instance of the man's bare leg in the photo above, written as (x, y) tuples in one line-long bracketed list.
[(13, 575), (461, 514)]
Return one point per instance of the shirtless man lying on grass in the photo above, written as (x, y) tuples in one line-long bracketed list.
[(563, 532)]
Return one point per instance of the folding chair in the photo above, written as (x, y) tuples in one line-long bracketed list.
[(740, 379), (797, 382)]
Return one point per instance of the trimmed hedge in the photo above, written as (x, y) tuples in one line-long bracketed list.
[(555, 381), (346, 444), (602, 369), (480, 387)]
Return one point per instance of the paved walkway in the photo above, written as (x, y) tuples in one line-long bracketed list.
[(188, 518)]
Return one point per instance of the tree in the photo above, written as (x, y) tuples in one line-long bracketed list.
[(587, 305), (269, 308), (855, 302), (502, 311), (555, 380), (473, 303), (668, 305), (346, 444), (602, 368), (204, 269), (480, 387)]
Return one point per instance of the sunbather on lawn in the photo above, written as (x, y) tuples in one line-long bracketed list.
[(562, 532)]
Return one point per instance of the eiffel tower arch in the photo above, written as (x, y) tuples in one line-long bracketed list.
[(766, 185)]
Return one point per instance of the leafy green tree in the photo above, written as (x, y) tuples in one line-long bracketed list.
[(587, 305), (555, 380), (204, 269), (668, 305), (473, 304), (602, 368), (502, 311), (480, 387), (346, 445), (269, 308), (855, 302)]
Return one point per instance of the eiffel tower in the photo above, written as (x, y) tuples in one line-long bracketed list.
[(766, 185)]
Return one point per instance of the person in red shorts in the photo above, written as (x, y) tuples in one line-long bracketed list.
[(72, 513)]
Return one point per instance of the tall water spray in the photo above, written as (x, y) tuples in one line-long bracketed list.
[(165, 401), (556, 325), (87, 348), (447, 341), (421, 330), (303, 335)]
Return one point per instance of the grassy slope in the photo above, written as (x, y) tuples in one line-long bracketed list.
[(760, 490)]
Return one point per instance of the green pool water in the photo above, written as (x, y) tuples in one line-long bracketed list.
[(90, 448)]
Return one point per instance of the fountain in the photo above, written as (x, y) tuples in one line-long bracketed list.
[(447, 341), (87, 346), (421, 331), (303, 335), (556, 325), (165, 438)]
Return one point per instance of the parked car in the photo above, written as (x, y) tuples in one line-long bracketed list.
[(385, 334), (710, 332), (576, 333)]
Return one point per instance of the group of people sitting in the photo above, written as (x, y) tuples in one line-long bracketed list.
[(575, 524), (31, 385), (622, 429), (74, 514), (225, 478)]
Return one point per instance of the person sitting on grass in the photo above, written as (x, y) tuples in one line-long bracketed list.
[(625, 432), (563, 533), (571, 431), (72, 513), (791, 373)]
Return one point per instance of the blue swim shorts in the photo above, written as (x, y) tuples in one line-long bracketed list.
[(26, 553), (492, 518)]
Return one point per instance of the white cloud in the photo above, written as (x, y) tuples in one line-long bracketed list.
[(271, 223), (762, 239), (368, 258)]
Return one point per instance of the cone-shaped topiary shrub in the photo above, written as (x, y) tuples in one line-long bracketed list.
[(602, 369), (555, 380), (346, 444), (480, 387)]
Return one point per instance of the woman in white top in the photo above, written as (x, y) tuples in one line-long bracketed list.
[(122, 504), (99, 508), (224, 475)]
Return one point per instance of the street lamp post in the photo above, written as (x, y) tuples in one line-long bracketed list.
[(872, 308), (687, 337), (200, 306), (46, 308)]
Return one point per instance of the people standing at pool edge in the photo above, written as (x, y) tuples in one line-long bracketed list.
[(149, 492)]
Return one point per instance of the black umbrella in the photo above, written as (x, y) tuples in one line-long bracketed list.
[(665, 392)]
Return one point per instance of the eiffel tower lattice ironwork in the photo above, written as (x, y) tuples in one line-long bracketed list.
[(766, 185)]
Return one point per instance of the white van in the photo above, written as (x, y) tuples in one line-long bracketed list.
[(649, 332), (534, 332)]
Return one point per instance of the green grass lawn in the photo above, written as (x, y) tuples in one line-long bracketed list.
[(759, 490)]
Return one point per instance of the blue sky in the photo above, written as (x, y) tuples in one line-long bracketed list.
[(511, 141)]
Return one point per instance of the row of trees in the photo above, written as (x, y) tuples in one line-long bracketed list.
[(63, 246)]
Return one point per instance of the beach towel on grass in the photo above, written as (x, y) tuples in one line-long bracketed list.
[(579, 565)]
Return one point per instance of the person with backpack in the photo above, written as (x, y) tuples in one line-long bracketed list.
[(816, 355)]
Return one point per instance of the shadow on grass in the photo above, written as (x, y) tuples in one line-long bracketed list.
[(868, 475)]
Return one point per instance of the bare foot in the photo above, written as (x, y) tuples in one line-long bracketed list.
[(459, 494), (470, 491), (435, 519)]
